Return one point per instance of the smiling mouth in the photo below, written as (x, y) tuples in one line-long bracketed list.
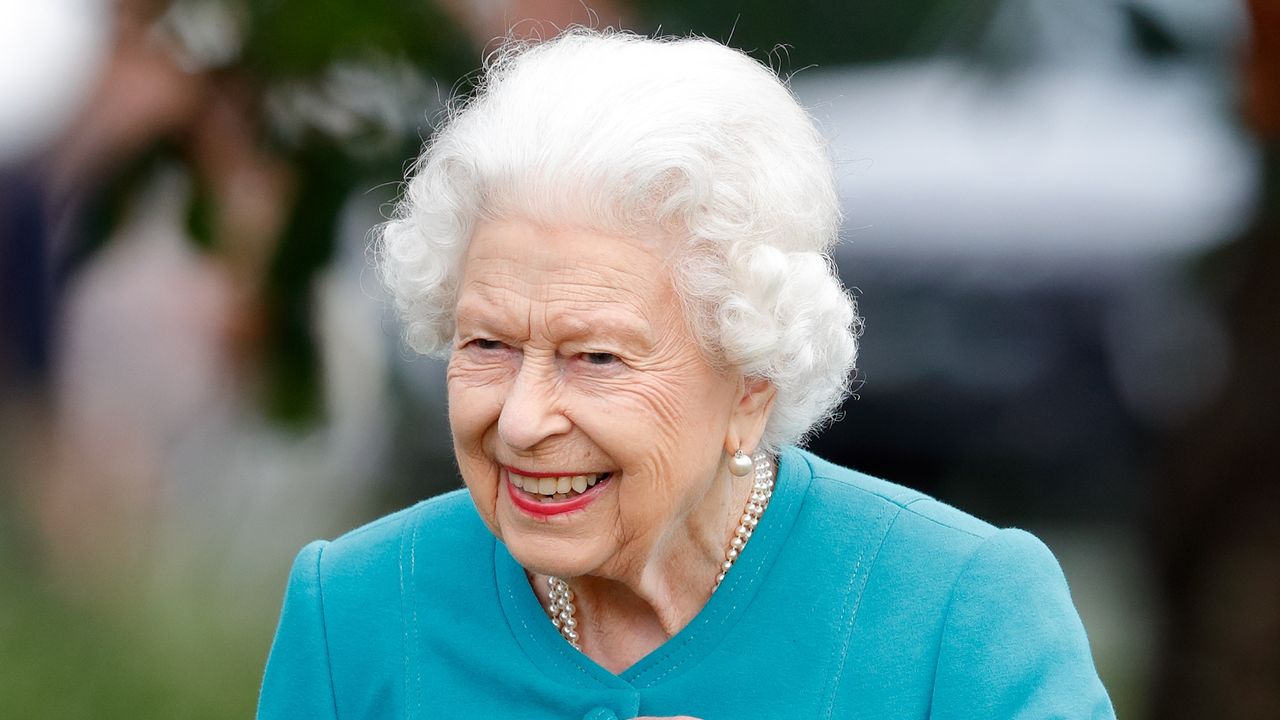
[(558, 488)]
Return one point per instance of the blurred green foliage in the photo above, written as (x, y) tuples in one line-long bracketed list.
[(301, 38), (828, 32), (291, 46), (175, 653)]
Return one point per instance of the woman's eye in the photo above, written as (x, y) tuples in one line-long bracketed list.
[(600, 358), (487, 344)]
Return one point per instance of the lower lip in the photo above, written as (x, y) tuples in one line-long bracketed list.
[(540, 509)]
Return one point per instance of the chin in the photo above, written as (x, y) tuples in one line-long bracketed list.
[(562, 557)]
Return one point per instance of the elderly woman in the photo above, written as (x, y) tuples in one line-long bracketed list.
[(621, 245)]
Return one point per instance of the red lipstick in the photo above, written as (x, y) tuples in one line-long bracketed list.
[(544, 509)]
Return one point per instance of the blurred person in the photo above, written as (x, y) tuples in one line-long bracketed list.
[(155, 336), (623, 247), (206, 333)]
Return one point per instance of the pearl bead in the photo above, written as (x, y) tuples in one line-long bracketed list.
[(732, 554), (736, 543)]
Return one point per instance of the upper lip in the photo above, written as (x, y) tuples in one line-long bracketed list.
[(558, 473)]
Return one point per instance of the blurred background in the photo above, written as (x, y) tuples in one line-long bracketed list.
[(1062, 228)]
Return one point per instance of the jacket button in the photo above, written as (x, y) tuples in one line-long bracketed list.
[(600, 713)]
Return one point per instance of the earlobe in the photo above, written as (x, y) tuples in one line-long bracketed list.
[(750, 414)]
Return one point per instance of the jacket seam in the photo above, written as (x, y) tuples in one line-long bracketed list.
[(556, 648), (409, 612), (410, 514), (940, 523), (906, 506), (324, 632), (947, 610), (833, 684)]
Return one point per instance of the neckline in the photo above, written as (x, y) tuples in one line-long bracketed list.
[(546, 649)]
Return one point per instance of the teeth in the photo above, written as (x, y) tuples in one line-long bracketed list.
[(558, 488)]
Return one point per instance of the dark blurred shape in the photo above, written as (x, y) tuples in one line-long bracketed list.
[(1217, 501), (24, 284), (1262, 72), (829, 32), (296, 39), (1152, 39)]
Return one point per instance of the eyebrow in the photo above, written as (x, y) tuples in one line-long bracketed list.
[(564, 328), (485, 315), (627, 333)]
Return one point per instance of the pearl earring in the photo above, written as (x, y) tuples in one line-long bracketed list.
[(740, 464)]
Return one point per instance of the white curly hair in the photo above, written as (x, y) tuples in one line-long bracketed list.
[(681, 138)]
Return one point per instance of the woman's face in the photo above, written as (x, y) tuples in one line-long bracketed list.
[(573, 370)]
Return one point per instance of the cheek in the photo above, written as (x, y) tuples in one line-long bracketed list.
[(636, 415), (475, 401), (666, 430), (667, 399), (683, 407)]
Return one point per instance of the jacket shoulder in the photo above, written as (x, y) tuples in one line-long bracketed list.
[(363, 573), (445, 518), (968, 613), (850, 491), (357, 588)]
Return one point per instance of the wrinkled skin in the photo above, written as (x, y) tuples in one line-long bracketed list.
[(572, 356)]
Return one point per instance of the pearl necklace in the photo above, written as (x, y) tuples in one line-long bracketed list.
[(561, 609)]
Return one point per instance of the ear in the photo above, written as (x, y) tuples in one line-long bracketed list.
[(750, 413)]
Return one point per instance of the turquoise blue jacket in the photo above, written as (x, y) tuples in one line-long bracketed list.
[(855, 598)]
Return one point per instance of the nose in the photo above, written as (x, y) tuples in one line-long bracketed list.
[(531, 411)]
